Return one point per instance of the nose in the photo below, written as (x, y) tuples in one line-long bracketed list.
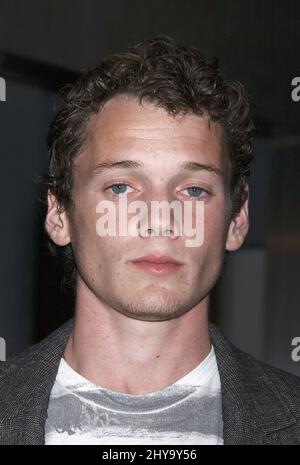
[(161, 218)]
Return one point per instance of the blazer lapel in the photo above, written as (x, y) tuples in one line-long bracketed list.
[(28, 383), (253, 408)]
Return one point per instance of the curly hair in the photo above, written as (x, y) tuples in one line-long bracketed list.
[(175, 77)]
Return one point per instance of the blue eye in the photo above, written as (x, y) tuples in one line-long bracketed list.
[(194, 191), (119, 188)]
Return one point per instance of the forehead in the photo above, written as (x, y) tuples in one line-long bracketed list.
[(125, 128)]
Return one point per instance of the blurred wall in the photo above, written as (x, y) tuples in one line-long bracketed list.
[(257, 41), (24, 118), (282, 317)]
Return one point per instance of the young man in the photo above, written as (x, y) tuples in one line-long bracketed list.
[(140, 363)]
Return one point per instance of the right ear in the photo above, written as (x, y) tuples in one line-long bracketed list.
[(57, 223)]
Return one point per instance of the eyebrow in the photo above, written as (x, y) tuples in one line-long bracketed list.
[(111, 165), (194, 166), (135, 164)]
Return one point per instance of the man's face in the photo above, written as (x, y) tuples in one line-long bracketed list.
[(160, 145)]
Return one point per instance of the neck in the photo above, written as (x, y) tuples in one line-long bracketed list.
[(134, 356)]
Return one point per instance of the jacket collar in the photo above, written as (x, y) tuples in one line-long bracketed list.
[(250, 412), (253, 406), (27, 387)]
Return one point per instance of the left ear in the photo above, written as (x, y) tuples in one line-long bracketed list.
[(238, 227)]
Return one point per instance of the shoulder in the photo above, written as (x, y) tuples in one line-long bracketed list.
[(273, 395), (262, 373), (32, 367), (261, 385)]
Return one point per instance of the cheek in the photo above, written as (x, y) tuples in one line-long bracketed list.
[(84, 238), (215, 219), (215, 233)]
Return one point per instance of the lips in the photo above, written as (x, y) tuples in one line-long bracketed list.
[(158, 264), (157, 259)]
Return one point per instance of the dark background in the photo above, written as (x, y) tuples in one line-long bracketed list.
[(46, 44)]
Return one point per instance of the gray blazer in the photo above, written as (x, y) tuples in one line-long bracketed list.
[(261, 404)]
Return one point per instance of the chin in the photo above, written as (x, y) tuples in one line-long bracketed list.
[(151, 314), (154, 308)]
